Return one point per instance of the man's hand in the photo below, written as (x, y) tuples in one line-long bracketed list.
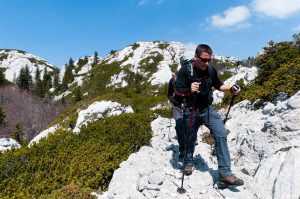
[(235, 89), (195, 86)]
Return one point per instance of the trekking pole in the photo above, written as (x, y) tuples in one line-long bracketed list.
[(181, 189), (170, 120), (186, 140), (231, 104)]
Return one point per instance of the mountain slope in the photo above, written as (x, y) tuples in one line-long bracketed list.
[(144, 66), (13, 60)]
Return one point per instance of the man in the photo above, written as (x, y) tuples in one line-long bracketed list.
[(177, 115), (194, 84)]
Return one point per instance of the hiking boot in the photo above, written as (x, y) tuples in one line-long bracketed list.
[(230, 181), (188, 169)]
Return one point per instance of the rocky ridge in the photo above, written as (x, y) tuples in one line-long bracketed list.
[(264, 143), (13, 60)]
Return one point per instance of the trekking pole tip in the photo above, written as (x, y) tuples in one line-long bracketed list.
[(181, 190)]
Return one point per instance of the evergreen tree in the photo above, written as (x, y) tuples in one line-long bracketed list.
[(39, 86), (37, 75), (71, 63), (78, 95), (47, 81), (56, 83), (86, 59), (40, 89), (2, 116), (28, 77), (96, 59), (296, 38), (274, 55), (2, 78), (16, 135), (137, 83), (21, 80), (24, 80), (68, 76)]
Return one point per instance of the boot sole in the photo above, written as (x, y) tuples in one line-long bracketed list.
[(223, 185)]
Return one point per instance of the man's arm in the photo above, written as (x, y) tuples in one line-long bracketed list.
[(233, 89), (218, 84)]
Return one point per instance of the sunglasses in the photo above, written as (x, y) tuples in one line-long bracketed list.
[(204, 59)]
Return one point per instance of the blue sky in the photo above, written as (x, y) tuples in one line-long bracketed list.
[(59, 29)]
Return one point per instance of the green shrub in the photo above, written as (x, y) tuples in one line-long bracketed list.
[(87, 159), (174, 67), (151, 67), (3, 57), (163, 45), (101, 74), (167, 113), (71, 191), (279, 72), (135, 46), (81, 63), (226, 75)]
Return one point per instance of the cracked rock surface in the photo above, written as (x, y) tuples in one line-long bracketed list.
[(264, 144)]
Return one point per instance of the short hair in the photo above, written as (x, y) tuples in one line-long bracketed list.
[(203, 48)]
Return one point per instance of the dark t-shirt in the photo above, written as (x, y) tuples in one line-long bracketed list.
[(208, 78)]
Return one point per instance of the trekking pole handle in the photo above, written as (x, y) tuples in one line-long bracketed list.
[(234, 89), (198, 80)]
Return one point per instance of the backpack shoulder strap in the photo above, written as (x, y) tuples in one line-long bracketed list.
[(210, 71), (190, 69)]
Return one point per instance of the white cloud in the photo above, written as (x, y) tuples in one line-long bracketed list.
[(143, 2), (190, 46), (277, 8), (231, 17)]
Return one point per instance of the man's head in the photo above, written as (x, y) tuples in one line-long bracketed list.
[(203, 55), (203, 48)]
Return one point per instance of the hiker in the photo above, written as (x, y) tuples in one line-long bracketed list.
[(194, 83), (177, 107)]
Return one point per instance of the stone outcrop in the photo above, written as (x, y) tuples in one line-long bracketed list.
[(265, 148)]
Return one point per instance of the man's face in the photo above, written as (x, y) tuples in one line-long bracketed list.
[(203, 60)]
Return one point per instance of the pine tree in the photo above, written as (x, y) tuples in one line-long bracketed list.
[(37, 75), (68, 76), (2, 78), (39, 86), (47, 81), (86, 59), (24, 80), (2, 116), (16, 135), (78, 95), (96, 59), (296, 38), (40, 89), (71, 63), (28, 77), (56, 83)]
